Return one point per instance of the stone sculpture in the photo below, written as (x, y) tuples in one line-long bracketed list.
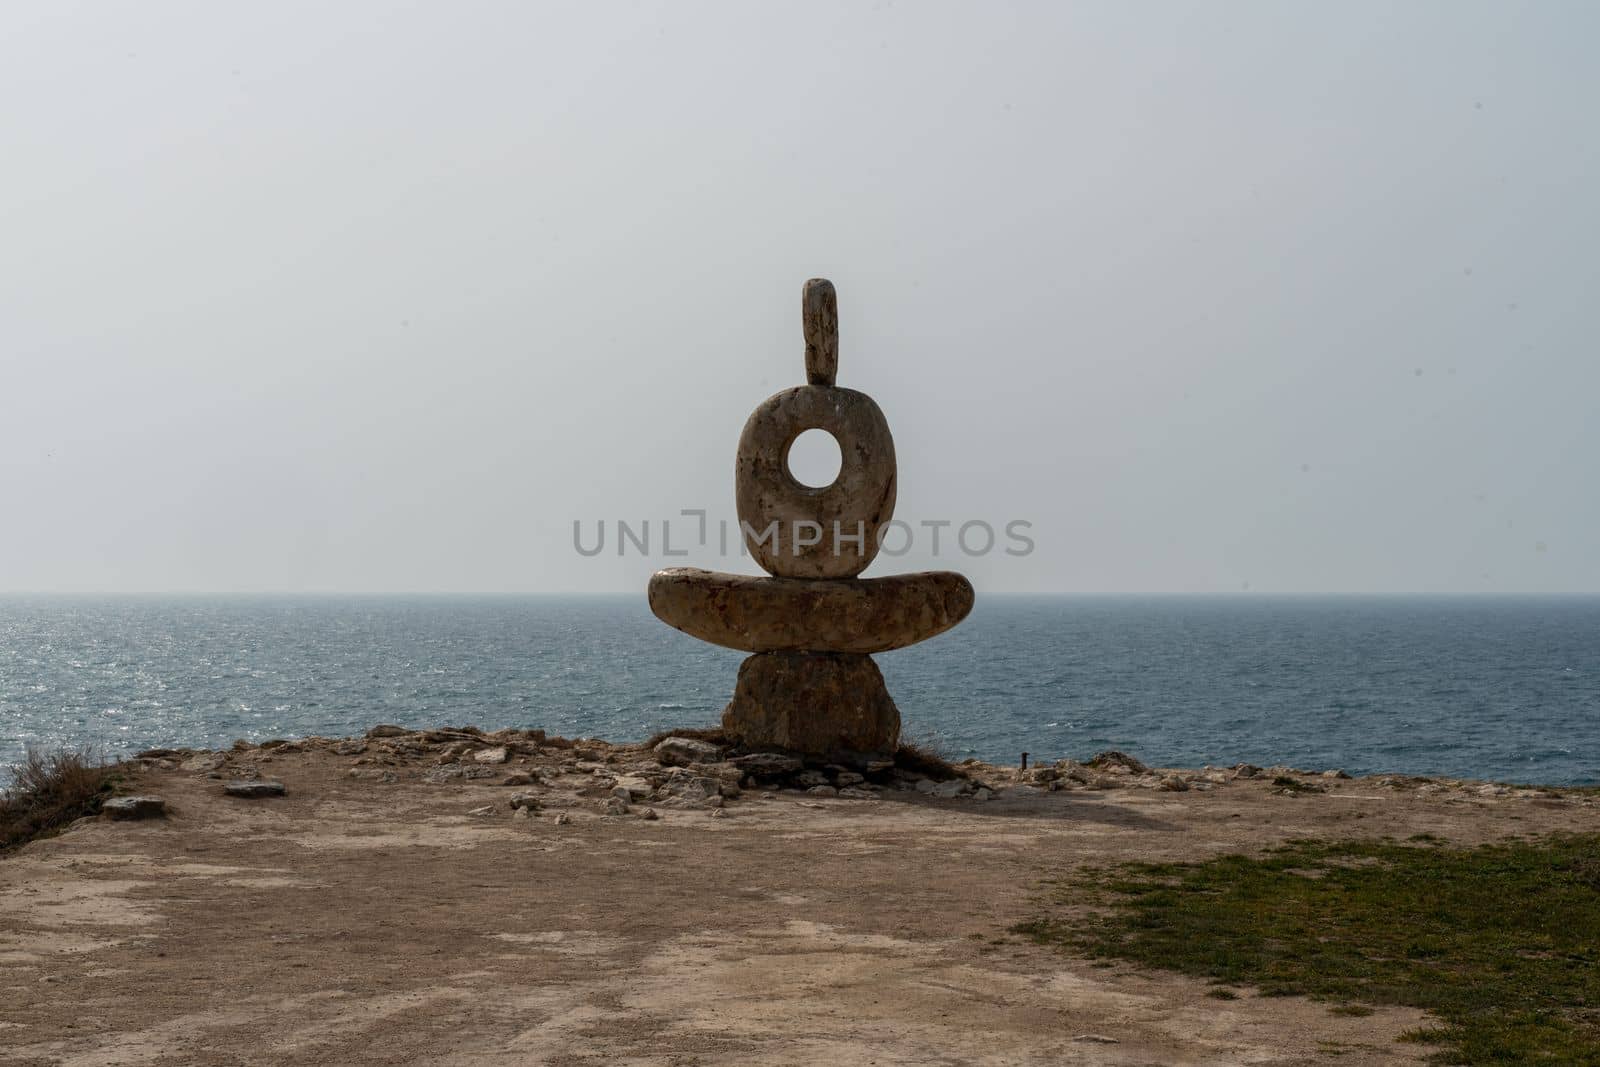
[(811, 686)]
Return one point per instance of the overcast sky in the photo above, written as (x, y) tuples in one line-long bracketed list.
[(381, 296)]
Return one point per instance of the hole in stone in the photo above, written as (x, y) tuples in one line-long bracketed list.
[(814, 459)]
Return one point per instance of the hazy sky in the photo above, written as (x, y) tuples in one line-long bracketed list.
[(381, 296)]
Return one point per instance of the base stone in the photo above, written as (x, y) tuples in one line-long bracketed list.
[(828, 704)]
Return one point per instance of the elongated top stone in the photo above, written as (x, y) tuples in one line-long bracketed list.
[(819, 314), (862, 615)]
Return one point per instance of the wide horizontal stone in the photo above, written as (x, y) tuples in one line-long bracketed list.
[(254, 788), (859, 615)]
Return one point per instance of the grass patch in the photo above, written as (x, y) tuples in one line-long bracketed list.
[(49, 792), (925, 760), (1501, 942)]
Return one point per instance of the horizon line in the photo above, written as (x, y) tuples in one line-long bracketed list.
[(1238, 593)]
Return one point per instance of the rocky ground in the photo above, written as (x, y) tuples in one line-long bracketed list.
[(457, 897)]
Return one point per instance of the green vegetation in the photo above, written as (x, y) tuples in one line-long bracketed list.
[(1501, 942), (49, 792)]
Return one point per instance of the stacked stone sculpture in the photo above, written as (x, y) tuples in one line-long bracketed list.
[(811, 686)]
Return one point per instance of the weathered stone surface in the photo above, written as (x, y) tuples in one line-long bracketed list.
[(263, 787), (767, 764), (632, 787), (1115, 761), (682, 751), (827, 703), (203, 763), (791, 615), (827, 532), (819, 318), (454, 771), (498, 754), (386, 729), (141, 807)]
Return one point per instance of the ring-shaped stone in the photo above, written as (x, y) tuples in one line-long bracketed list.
[(797, 531)]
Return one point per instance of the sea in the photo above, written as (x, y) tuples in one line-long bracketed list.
[(1502, 688)]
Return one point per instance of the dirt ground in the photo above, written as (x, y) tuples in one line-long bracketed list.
[(363, 920)]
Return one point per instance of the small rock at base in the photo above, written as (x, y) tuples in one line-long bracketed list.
[(1111, 759), (823, 791), (632, 787), (766, 764), (387, 729), (563, 818), (144, 807), (1173, 784), (498, 754), (649, 814), (682, 751), (517, 779), (204, 763), (262, 787)]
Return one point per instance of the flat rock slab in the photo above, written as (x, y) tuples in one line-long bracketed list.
[(141, 807), (825, 704), (767, 764), (265, 787), (682, 751), (856, 615)]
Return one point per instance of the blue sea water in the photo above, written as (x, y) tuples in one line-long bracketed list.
[(1487, 687)]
